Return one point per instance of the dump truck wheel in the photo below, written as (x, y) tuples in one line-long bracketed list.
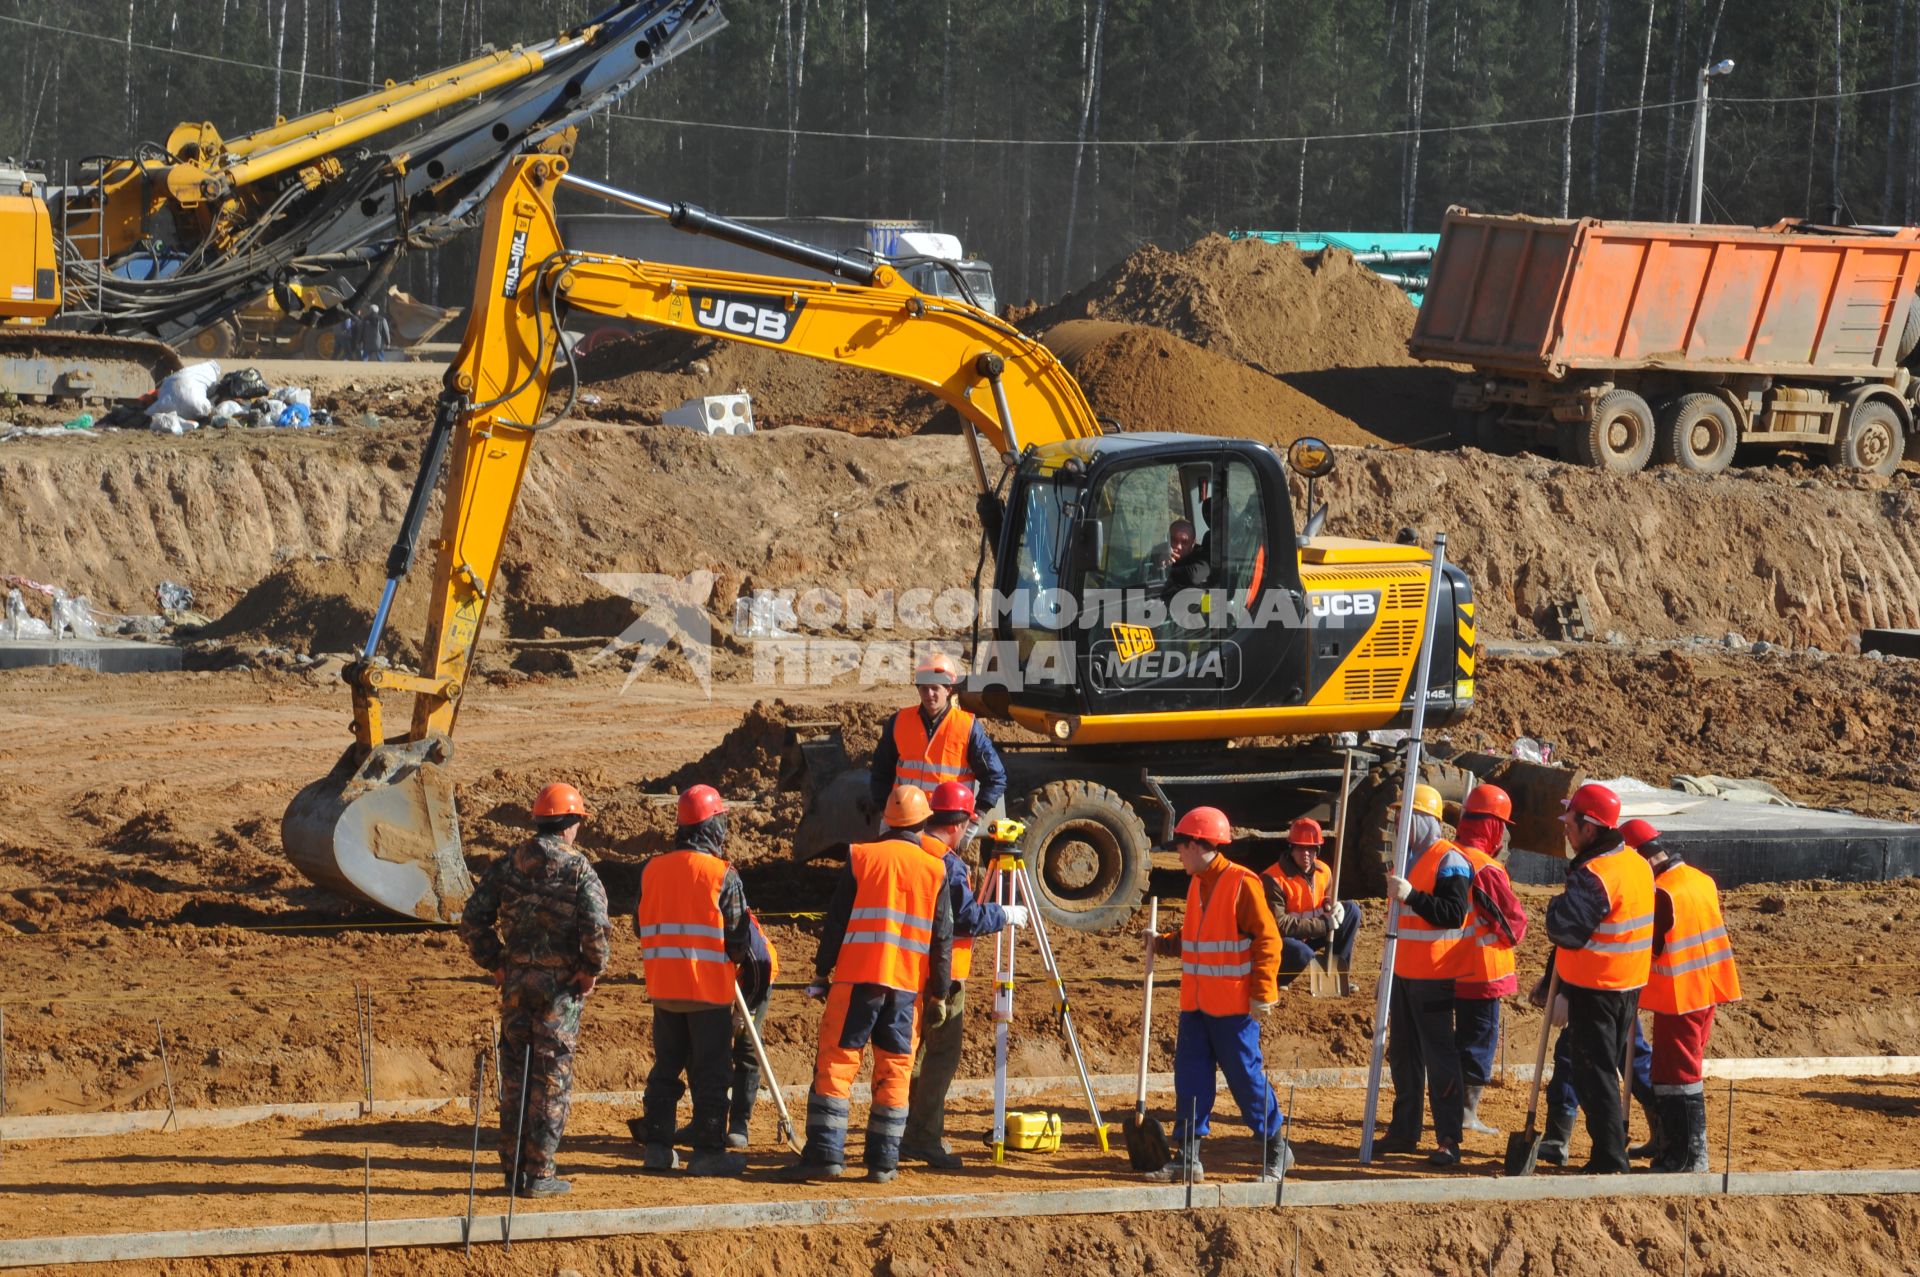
[(1870, 439), (215, 341), (1617, 436), (1090, 853), (1910, 331), (1370, 850), (1697, 433)]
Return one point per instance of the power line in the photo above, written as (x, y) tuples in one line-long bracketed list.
[(118, 43)]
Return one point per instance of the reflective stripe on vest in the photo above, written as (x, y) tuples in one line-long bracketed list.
[(1695, 969), (889, 936), (1216, 958), (962, 945), (683, 939), (1619, 955), (931, 763), (1490, 957), (1303, 895), (1424, 951)]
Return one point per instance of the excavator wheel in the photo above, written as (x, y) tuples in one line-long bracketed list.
[(1370, 855), (1090, 852)]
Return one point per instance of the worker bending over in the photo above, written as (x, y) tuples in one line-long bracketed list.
[(694, 937), (1229, 951), (942, 1038), (538, 921), (1310, 924), (1430, 953), (887, 943), (1601, 926), (1496, 924), (1693, 972), (936, 741)]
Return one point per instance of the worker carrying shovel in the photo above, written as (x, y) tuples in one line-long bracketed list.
[(1229, 951)]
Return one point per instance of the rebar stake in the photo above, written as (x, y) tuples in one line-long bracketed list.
[(366, 1209), (473, 1166), (519, 1137), (166, 1072), (1726, 1175)]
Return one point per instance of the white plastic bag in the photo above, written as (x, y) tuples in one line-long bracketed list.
[(170, 423), (186, 392), (229, 408), (294, 395)]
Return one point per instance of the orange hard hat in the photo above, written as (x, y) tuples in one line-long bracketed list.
[(952, 796), (1597, 804), (1305, 833), (1205, 824), (1638, 833), (700, 802), (558, 799), (1490, 800), (907, 806), (936, 669)]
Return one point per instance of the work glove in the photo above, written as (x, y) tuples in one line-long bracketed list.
[(1262, 1009), (1399, 888), (937, 1012), (1017, 915), (1338, 913), (817, 990), (972, 832), (1537, 995)]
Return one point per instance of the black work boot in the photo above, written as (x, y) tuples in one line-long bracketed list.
[(935, 1153), (1185, 1168), (1655, 1112), (1686, 1150), (1278, 1159), (710, 1153), (543, 1186), (1553, 1144), (656, 1139)]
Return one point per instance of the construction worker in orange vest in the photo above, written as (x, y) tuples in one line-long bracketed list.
[(757, 975), (1296, 886), (694, 936), (939, 1055), (1601, 926), (936, 741), (1430, 953), (1496, 924), (886, 946), (1693, 972), (1229, 951)]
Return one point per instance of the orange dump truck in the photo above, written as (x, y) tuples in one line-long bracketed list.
[(1617, 343)]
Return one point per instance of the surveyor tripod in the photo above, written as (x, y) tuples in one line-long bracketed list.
[(1009, 880)]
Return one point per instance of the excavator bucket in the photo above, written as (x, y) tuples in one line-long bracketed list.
[(836, 808), (381, 828)]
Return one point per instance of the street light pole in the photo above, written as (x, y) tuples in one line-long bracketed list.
[(1720, 68)]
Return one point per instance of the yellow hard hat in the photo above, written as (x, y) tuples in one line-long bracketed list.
[(1426, 799)]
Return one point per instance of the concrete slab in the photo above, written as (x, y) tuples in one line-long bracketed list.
[(1891, 642), (107, 655)]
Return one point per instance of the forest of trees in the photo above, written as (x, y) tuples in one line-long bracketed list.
[(1056, 135)]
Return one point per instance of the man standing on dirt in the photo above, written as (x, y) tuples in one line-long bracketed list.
[(936, 741), (1496, 924), (538, 922), (944, 1033), (1601, 925), (1296, 886), (694, 935), (1693, 972), (1229, 951), (886, 944)]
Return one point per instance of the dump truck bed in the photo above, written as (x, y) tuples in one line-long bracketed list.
[(1542, 297)]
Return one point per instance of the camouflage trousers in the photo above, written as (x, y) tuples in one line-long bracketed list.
[(538, 1011)]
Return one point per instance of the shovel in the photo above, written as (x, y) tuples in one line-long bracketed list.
[(1523, 1147), (766, 1070), (1328, 976), (1146, 1140)]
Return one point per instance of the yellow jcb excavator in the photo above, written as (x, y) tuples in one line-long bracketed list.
[(1144, 664)]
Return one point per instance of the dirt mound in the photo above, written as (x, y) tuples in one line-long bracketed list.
[(326, 606), (637, 378), (1268, 305), (1150, 379)]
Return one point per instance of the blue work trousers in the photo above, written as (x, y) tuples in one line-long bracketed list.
[(1476, 1028), (1296, 954), (1230, 1043)]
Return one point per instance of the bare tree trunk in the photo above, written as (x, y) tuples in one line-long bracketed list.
[(866, 114), (946, 97), (1893, 112), (796, 81), (1839, 109), (1259, 63), (1573, 94), (133, 119), (1603, 34), (373, 43), (1410, 191), (339, 44), (1079, 150), (1300, 191), (279, 60), (1913, 130), (1668, 209), (1639, 115)]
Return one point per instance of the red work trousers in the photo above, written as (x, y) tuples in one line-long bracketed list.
[(1680, 1051)]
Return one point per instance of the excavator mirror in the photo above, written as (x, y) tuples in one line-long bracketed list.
[(1090, 545), (1310, 458)]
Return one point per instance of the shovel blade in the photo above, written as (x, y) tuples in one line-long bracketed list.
[(1327, 978), (1523, 1152), (1147, 1148)]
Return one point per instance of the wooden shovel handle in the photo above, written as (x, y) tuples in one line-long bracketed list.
[(1146, 1011)]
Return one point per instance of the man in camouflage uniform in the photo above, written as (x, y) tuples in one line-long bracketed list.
[(538, 921)]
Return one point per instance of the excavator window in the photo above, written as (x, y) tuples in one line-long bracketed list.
[(1245, 567)]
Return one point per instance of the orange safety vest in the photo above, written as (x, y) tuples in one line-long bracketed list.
[(1486, 954), (1216, 957), (962, 945), (931, 763), (1619, 954), (889, 936), (773, 954), (1695, 968), (1303, 895), (1424, 951), (683, 939)]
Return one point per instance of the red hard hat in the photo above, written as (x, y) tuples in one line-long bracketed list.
[(1306, 833), (1638, 833), (558, 799), (700, 802), (951, 795), (1490, 800), (937, 669), (1598, 804), (1206, 824)]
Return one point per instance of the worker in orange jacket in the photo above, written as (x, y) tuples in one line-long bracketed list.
[(1310, 922), (929, 744), (1229, 951), (887, 943), (1496, 924), (1693, 972), (694, 936)]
